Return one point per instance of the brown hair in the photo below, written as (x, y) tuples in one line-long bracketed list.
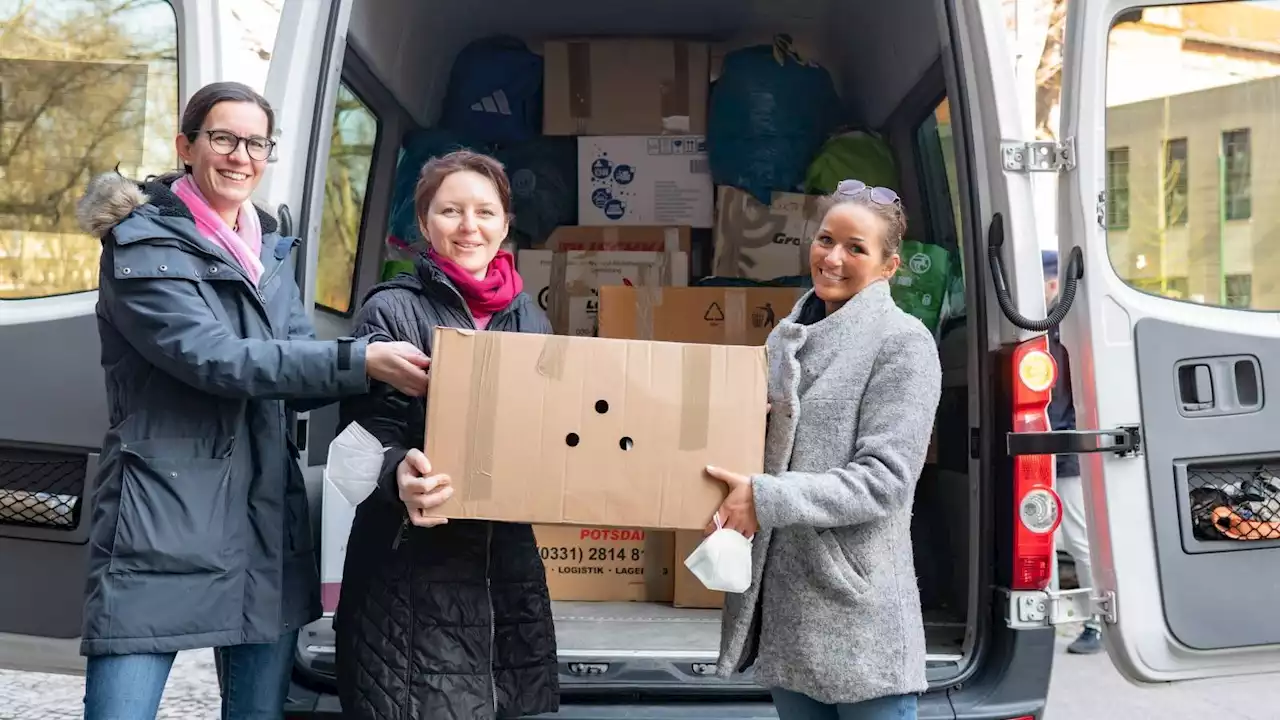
[(437, 169), (895, 218)]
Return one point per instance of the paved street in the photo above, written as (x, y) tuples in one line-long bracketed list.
[(192, 693), (1084, 688), (1089, 688)]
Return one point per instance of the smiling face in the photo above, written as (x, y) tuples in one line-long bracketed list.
[(465, 221), (226, 180), (851, 251)]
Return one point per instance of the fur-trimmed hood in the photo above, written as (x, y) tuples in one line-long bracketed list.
[(110, 197)]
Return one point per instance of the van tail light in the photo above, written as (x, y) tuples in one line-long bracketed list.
[(1038, 509)]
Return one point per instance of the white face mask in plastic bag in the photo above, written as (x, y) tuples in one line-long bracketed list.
[(723, 561)]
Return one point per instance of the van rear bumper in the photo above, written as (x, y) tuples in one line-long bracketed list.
[(1012, 683), (933, 706)]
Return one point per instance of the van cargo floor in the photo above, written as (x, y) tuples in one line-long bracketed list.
[(630, 629), (601, 630)]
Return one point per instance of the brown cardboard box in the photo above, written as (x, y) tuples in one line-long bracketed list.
[(591, 431), (719, 315), (619, 238), (645, 180), (565, 284), (625, 86), (607, 564), (689, 590), (763, 242)]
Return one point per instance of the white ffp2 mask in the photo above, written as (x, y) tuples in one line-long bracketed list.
[(723, 561)]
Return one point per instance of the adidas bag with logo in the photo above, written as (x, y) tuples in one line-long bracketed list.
[(495, 92)]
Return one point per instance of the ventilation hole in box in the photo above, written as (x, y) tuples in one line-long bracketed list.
[(625, 443), (571, 440), (602, 406)]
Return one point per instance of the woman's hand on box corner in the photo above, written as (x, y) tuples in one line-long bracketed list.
[(738, 511), (420, 491)]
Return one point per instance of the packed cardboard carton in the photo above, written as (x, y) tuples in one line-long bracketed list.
[(664, 243)]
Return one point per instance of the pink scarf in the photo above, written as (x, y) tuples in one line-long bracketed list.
[(489, 295), (243, 244)]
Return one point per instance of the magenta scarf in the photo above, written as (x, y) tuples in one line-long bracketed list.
[(485, 297), (243, 243)]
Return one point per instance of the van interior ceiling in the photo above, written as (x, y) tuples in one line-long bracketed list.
[(885, 61)]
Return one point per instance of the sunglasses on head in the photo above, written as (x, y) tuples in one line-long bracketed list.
[(879, 195)]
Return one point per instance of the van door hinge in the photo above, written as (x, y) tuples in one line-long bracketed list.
[(1038, 156), (1030, 609)]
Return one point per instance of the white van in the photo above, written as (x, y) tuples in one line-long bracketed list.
[(1175, 391)]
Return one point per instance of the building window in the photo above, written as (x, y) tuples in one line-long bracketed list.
[(1174, 182), (85, 87), (1239, 291), (1118, 188), (1170, 287), (355, 133), (1236, 175)]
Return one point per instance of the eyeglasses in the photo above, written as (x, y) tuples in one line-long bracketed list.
[(226, 143), (879, 195)]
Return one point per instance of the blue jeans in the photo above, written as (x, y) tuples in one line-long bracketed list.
[(254, 681), (794, 706)]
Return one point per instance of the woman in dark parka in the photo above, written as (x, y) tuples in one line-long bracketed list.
[(200, 536), (448, 621)]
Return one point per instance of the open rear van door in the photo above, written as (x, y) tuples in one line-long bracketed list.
[(1173, 351), (85, 90), (302, 86)]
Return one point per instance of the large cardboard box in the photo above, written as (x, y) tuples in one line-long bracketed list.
[(718, 315), (591, 431), (607, 564), (763, 242), (689, 592), (625, 86), (645, 180), (566, 285), (619, 238)]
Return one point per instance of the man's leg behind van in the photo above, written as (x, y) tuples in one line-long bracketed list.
[(1075, 540), (125, 687)]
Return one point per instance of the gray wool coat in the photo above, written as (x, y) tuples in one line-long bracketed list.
[(200, 535), (833, 610)]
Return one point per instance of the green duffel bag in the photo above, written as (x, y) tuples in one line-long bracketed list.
[(853, 155)]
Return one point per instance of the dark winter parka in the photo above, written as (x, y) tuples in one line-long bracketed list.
[(452, 622), (200, 534)]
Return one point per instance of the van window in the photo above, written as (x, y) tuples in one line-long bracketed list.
[(355, 134), (84, 87), (940, 190), (1118, 188), (937, 151), (1191, 92)]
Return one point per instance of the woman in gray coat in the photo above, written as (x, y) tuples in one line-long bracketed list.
[(200, 535), (832, 618)]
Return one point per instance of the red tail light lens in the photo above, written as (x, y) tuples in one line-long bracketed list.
[(1037, 507)]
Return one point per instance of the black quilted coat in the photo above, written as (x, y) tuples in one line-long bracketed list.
[(451, 622)]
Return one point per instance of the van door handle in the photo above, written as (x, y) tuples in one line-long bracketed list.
[(1125, 441), (286, 220), (1195, 387)]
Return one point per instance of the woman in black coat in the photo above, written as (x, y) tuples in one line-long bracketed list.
[(442, 620)]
